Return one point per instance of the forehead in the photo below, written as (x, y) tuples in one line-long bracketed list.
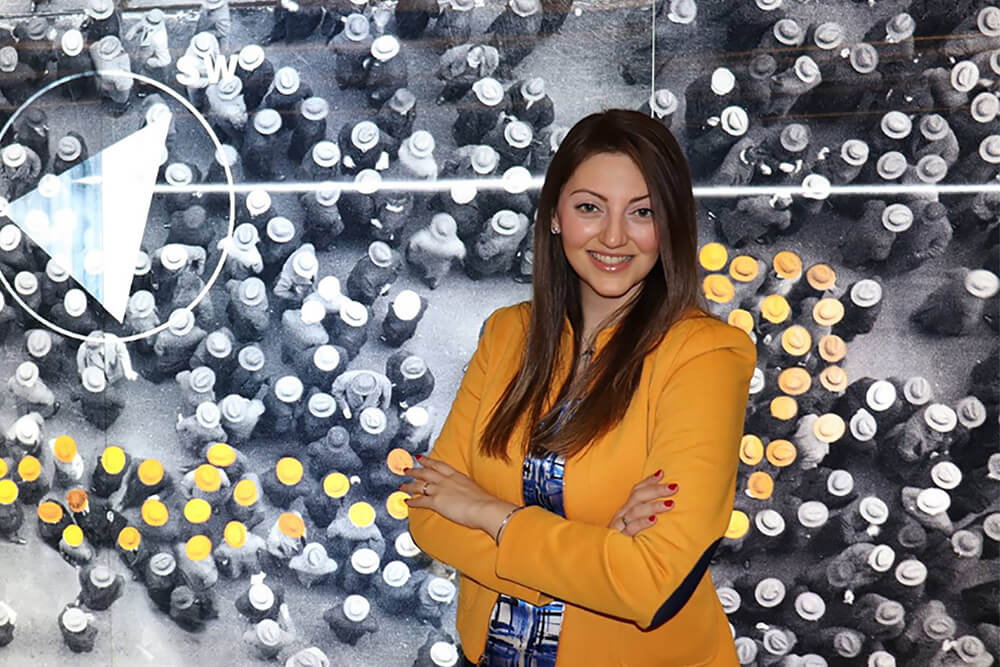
[(607, 174)]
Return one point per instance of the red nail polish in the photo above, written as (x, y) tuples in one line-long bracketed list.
[(652, 518), (672, 486), (668, 503), (406, 470), (419, 457), (658, 472)]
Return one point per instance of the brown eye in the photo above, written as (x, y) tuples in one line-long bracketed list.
[(580, 206)]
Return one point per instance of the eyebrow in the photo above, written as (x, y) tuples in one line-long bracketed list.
[(603, 198)]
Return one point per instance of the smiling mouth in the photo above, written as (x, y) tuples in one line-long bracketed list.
[(610, 260)]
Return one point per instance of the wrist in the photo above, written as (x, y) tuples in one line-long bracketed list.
[(492, 515)]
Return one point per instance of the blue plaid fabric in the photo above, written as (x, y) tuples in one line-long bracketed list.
[(522, 634)]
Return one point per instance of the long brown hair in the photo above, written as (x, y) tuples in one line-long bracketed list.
[(670, 289)]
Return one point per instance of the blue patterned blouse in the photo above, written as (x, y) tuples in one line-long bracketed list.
[(522, 634)]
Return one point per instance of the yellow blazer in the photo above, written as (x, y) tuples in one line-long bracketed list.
[(630, 601)]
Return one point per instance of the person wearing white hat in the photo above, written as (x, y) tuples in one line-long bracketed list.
[(350, 329), (462, 65), (321, 215), (373, 274), (929, 237), (412, 380), (956, 307), (387, 70), (71, 58), (496, 244), (351, 617), (297, 278), (174, 345), (403, 316), (100, 402), (310, 127), (227, 109), (214, 18), (395, 118), (30, 392), (141, 316), (512, 31), (203, 427), (312, 565), (295, 21), (416, 156), (362, 147), (101, 18), (351, 47), (99, 587), (202, 49), (78, 631), (243, 259), (433, 249), (257, 74), (287, 92), (107, 352), (269, 638), (262, 142), (20, 169), (320, 162), (479, 111), (110, 57), (706, 97), (793, 84), (872, 236), (302, 328), (356, 390), (152, 49)]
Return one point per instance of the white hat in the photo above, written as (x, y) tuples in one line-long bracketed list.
[(367, 181), (93, 379), (181, 321), (828, 35), (964, 76), (412, 367), (74, 620), (208, 415), (897, 217), (14, 155), (931, 168), (866, 293), (288, 389), (312, 312), (441, 590), (75, 302), (815, 186), (405, 546), (734, 121), (444, 654), (896, 124), (663, 101), (356, 607), (328, 192), (933, 500), (682, 12), (356, 27), (354, 313), (179, 173), (533, 89), (406, 305), (328, 288), (989, 149), (899, 27), (516, 179), (940, 417), (417, 415), (268, 632), (102, 576), (71, 42), (267, 121), (380, 253), (984, 107), (304, 264), (981, 283), (204, 42), (261, 596), (245, 235), (280, 229), (420, 144), (286, 80), (518, 134), (326, 357), (505, 222), (321, 405), (10, 237), (251, 56), (891, 165), (722, 81), (372, 420), (25, 283), (988, 21), (384, 47), (251, 358), (315, 108), (524, 7), (99, 9), (395, 573), (933, 126), (173, 256), (854, 152), (230, 87), (881, 558), (788, 32), (364, 135), (488, 91)]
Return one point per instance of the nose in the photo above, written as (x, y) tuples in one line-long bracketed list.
[(613, 233)]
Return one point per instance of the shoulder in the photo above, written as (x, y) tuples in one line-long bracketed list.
[(506, 320), (700, 333)]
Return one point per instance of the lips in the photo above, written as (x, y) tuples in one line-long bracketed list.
[(610, 263)]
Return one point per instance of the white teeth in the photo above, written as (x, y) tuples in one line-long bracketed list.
[(608, 259)]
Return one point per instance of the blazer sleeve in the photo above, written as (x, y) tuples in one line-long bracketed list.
[(471, 551), (698, 415)]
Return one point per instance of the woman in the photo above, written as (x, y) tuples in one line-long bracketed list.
[(564, 551)]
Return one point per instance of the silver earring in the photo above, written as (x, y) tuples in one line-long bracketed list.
[(555, 230)]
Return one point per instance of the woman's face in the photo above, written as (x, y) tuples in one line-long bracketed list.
[(606, 224)]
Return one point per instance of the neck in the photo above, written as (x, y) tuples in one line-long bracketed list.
[(597, 311)]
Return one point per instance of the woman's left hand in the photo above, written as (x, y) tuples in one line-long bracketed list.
[(449, 493)]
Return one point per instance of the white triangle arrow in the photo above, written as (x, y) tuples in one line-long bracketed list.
[(91, 219)]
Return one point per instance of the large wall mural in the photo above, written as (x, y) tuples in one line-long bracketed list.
[(247, 249)]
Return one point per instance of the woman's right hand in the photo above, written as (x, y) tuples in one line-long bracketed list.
[(645, 501)]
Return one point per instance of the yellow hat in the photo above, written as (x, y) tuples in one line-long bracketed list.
[(821, 276), (781, 453), (76, 500), (291, 525), (129, 538), (197, 510), (743, 268), (760, 485), (361, 514), (784, 407), (8, 492), (154, 513), (832, 348), (245, 493), (29, 468), (207, 478), (794, 380), (198, 547), (150, 472), (398, 459), (718, 288), (220, 454), (3, 468), (829, 427), (288, 471), (113, 459), (787, 264), (336, 485), (49, 512), (65, 448), (751, 449), (775, 309), (235, 534), (833, 378), (395, 506), (827, 311), (741, 319), (796, 340), (73, 535), (739, 524), (712, 256)]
